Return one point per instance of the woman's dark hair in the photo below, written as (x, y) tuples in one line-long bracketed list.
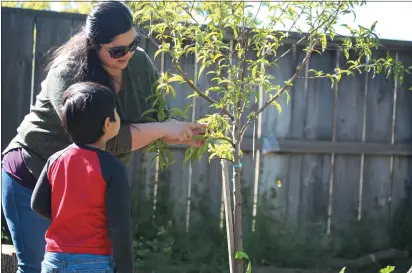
[(86, 106), (105, 21)]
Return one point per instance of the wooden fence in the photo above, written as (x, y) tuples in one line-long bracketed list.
[(342, 153)]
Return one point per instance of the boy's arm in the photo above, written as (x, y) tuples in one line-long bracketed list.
[(118, 218), (41, 197)]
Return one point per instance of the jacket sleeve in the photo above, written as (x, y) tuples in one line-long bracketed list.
[(41, 197)]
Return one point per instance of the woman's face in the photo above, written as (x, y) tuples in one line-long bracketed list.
[(122, 40)]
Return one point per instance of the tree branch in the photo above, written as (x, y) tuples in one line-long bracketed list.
[(200, 92), (188, 13), (306, 36), (254, 19), (224, 139), (287, 51), (318, 77), (221, 158), (280, 92)]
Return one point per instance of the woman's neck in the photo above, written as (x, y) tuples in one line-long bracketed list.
[(113, 72)]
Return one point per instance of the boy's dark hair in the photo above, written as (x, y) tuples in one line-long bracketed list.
[(86, 105)]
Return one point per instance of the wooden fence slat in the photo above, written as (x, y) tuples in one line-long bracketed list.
[(16, 73), (278, 125), (401, 191), (300, 92), (248, 162), (206, 195), (247, 179), (50, 34), (77, 26), (349, 112), (151, 50), (177, 177), (315, 171), (377, 176), (141, 196)]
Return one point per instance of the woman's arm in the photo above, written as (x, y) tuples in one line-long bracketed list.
[(135, 136), (176, 132)]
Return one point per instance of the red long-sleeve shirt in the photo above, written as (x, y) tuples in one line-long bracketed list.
[(85, 193)]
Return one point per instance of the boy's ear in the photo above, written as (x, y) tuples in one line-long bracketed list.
[(106, 125)]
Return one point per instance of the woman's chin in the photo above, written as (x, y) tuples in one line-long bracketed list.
[(122, 64)]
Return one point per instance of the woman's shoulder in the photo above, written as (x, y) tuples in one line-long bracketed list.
[(140, 57), (142, 63), (63, 68)]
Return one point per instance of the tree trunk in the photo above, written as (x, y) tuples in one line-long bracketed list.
[(228, 213), (237, 197), (8, 259)]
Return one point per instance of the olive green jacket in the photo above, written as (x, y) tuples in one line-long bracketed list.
[(41, 134)]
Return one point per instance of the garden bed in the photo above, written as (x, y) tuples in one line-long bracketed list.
[(362, 264)]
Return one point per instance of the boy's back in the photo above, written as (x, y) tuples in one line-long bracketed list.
[(79, 176)]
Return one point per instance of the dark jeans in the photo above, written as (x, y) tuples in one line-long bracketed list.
[(27, 229), (77, 263)]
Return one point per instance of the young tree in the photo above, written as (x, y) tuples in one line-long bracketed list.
[(223, 35)]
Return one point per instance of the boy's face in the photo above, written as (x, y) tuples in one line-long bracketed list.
[(111, 128)]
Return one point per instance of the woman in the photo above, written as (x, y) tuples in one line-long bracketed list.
[(105, 52)]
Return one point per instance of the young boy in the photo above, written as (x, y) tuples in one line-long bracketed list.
[(84, 191)]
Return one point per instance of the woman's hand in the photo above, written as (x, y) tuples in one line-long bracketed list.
[(191, 142), (182, 131)]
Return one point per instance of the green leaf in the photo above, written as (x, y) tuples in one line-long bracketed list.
[(342, 270), (387, 269), (254, 71), (324, 42), (176, 78), (201, 70), (158, 52), (188, 154), (242, 255), (373, 25), (346, 53), (203, 148), (278, 106), (148, 111)]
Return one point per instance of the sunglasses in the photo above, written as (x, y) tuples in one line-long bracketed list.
[(120, 51)]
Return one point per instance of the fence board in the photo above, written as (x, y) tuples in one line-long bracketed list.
[(50, 34), (16, 61), (277, 124), (299, 106), (151, 50), (377, 177), (77, 26), (206, 195), (178, 177), (349, 112), (248, 161), (401, 193), (316, 168), (247, 179)]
